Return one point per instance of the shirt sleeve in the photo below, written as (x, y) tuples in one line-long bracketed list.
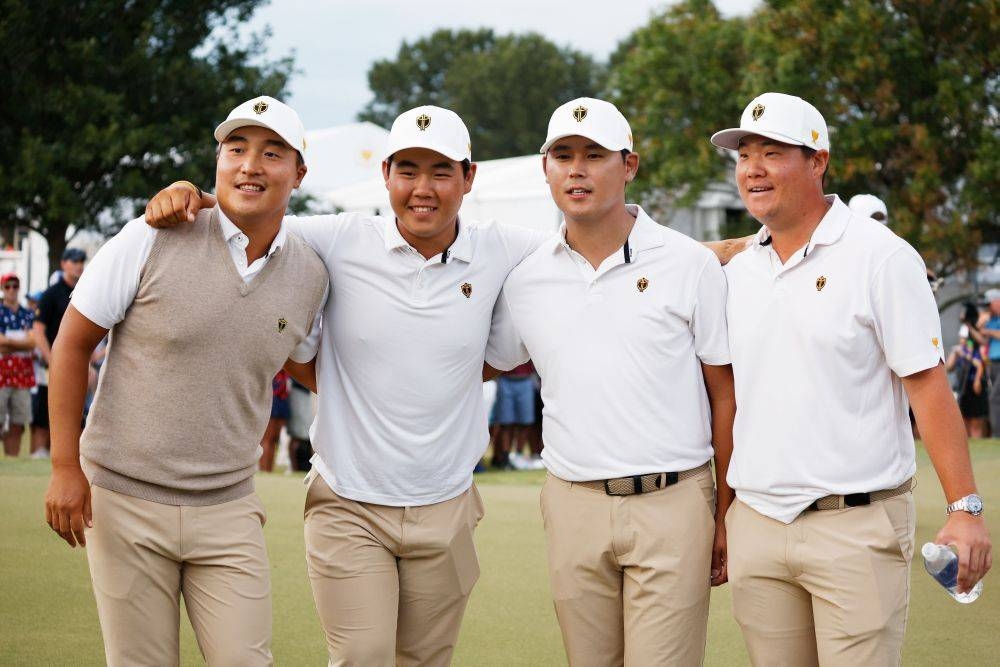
[(905, 314), (319, 232), (708, 321), (309, 347), (111, 279), (504, 349), (521, 241)]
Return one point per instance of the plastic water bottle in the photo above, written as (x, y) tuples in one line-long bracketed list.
[(942, 564)]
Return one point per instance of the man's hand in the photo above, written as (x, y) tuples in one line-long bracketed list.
[(67, 504), (727, 249), (175, 204), (972, 542), (720, 555)]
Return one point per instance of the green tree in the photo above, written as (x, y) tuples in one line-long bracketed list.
[(504, 88), (107, 101), (677, 80), (908, 87), (910, 90)]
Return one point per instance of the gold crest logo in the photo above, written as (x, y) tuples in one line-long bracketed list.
[(642, 284), (423, 122), (580, 113), (260, 107), (815, 136), (935, 342), (757, 112), (467, 290), (282, 323), (820, 283)]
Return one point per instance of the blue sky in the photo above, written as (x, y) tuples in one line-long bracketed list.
[(336, 41)]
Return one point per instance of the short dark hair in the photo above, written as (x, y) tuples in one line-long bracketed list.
[(809, 153), (466, 164), (625, 153)]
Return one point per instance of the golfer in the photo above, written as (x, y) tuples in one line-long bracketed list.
[(831, 320), (625, 322), (200, 320)]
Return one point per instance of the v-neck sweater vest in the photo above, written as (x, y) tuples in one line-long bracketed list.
[(185, 393)]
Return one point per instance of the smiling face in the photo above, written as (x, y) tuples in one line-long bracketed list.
[(255, 174), (587, 181), (426, 191), (778, 182)]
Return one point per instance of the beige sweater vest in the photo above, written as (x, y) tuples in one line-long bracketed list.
[(185, 392)]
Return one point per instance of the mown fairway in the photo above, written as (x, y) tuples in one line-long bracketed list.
[(48, 615)]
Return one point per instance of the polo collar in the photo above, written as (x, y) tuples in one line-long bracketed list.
[(461, 247), (645, 234), (828, 232), (229, 230)]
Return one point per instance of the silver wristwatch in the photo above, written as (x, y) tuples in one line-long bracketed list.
[(971, 503)]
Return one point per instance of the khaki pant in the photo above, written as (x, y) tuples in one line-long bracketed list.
[(143, 555), (830, 588), (630, 574), (390, 583)]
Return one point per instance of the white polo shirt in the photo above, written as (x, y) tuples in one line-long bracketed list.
[(110, 282), (619, 350), (401, 419), (819, 345)]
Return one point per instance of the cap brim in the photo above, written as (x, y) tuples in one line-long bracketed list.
[(402, 146), (608, 145), (226, 128), (731, 138)]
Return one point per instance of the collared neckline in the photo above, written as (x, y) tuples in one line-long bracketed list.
[(829, 230), (645, 233), (229, 230), (460, 248)]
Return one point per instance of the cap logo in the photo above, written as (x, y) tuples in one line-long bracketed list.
[(282, 323), (757, 112), (642, 284), (820, 283), (580, 113), (467, 290), (303, 143), (815, 136), (260, 107), (423, 122)]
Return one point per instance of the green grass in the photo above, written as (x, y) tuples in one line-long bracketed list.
[(48, 617)]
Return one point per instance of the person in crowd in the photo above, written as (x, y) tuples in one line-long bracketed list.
[(869, 206), (301, 412), (52, 306), (159, 486), (280, 413), (17, 371), (991, 332), (515, 413), (970, 367)]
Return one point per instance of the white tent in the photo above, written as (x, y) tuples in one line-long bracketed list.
[(342, 155), (512, 191)]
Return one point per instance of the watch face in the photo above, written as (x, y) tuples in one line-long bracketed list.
[(975, 504)]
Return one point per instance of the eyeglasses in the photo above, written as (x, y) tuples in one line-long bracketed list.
[(12, 286)]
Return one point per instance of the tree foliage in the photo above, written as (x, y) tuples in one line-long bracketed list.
[(503, 87), (908, 87), (107, 101)]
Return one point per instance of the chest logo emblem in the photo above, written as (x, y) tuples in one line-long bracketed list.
[(423, 122), (580, 113), (282, 323), (467, 290), (260, 107), (935, 342), (820, 283), (642, 284), (757, 111)]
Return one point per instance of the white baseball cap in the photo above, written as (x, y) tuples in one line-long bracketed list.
[(266, 112), (784, 118), (431, 127), (869, 205), (594, 119)]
